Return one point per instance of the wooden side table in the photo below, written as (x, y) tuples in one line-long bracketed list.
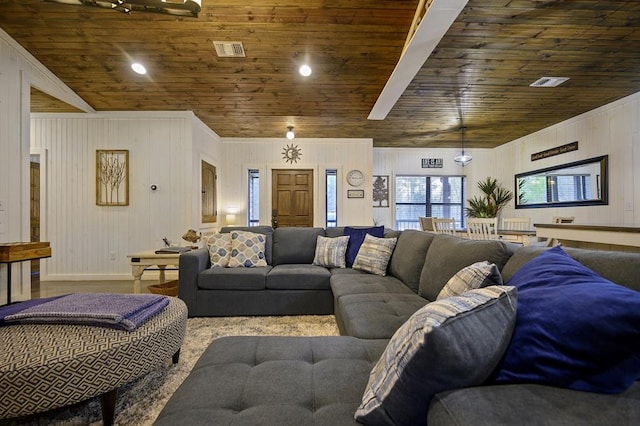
[(145, 259), (20, 252)]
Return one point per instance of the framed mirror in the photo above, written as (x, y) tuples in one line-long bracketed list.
[(581, 183)]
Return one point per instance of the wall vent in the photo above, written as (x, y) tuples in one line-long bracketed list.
[(548, 81), (229, 49)]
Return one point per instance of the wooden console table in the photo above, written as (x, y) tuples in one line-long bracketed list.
[(20, 252), (602, 234)]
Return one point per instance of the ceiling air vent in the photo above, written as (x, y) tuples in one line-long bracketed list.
[(548, 81), (229, 49)]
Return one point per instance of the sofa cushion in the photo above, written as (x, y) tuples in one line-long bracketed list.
[(448, 254), (376, 315), (356, 238), (219, 246), (533, 405), (298, 277), (408, 257), (274, 381), (575, 329), (448, 344), (247, 250), (330, 252), (361, 282), (478, 275), (295, 245), (336, 231), (234, 278), (374, 255), (267, 231), (620, 267)]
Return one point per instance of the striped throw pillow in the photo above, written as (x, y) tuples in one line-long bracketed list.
[(374, 254), (448, 344), (478, 275), (330, 252)]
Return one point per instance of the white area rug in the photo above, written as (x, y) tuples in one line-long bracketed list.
[(140, 402)]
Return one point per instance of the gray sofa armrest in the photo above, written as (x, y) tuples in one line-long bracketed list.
[(191, 264)]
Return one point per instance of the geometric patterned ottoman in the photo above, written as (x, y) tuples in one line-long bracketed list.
[(46, 366)]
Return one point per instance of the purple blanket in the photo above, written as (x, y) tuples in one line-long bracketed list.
[(122, 311)]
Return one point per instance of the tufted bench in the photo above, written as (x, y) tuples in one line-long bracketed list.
[(48, 366), (275, 381)]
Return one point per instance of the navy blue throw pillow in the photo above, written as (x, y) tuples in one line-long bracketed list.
[(356, 238), (574, 329)]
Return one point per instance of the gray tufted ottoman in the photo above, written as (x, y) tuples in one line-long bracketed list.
[(275, 381), (48, 366)]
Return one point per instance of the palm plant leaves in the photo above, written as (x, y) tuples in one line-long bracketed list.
[(495, 198)]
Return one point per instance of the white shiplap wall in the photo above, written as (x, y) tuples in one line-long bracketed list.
[(206, 146), (609, 130), (19, 70), (90, 241), (265, 154), (408, 161)]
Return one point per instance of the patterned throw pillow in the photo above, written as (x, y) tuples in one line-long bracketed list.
[(374, 255), (448, 344), (330, 251), (219, 250), (247, 249), (478, 275)]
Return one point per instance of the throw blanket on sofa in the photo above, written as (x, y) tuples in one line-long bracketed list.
[(122, 311)]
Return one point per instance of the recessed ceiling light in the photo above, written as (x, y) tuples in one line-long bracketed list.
[(305, 70), (139, 68)]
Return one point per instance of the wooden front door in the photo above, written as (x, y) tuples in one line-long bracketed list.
[(292, 198)]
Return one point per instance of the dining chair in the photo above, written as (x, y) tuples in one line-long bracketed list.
[(516, 223), (558, 219), (482, 228), (426, 224), (444, 225)]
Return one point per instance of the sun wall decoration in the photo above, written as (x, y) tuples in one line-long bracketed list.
[(291, 153)]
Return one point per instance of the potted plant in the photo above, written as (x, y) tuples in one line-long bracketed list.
[(495, 197)]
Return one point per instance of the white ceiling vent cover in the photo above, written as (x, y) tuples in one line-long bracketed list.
[(548, 81), (229, 49)]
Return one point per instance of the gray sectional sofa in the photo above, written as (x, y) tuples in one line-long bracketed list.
[(321, 380), (288, 285)]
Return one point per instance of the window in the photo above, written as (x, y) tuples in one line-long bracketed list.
[(431, 196), (331, 203), (555, 188), (254, 198)]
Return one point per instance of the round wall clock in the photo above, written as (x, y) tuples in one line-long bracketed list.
[(355, 178)]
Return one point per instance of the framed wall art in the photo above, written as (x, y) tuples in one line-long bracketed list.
[(112, 177), (381, 191)]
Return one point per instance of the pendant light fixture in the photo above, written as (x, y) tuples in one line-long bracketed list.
[(463, 158)]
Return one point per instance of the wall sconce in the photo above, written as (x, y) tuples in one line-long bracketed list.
[(290, 134)]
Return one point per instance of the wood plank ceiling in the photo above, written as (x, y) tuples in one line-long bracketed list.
[(481, 70)]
